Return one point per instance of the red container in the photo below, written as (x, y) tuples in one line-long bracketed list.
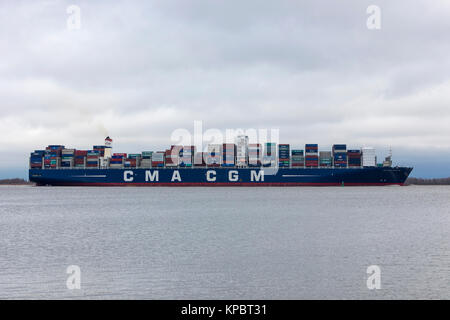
[(124, 155)]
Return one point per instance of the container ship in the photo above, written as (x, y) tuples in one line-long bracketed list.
[(229, 164)]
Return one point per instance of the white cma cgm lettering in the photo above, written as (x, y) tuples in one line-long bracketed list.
[(151, 176), (233, 175), (208, 176), (257, 177), (128, 176), (176, 176)]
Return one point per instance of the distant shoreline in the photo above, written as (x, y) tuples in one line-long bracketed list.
[(15, 182), (428, 182)]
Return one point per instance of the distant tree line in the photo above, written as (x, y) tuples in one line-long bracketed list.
[(15, 181), (428, 182)]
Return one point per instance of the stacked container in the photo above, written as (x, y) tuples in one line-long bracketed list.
[(117, 160), (354, 158), (52, 157), (132, 161), (92, 159), (36, 159), (158, 159), (67, 158), (214, 158), (186, 156), (199, 159), (325, 159), (228, 154), (368, 157), (129, 163), (80, 158), (270, 154), (241, 151), (311, 155), (146, 159), (173, 156), (283, 155), (100, 149), (298, 158), (340, 155), (254, 155)]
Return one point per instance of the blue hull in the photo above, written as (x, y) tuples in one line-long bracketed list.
[(221, 176)]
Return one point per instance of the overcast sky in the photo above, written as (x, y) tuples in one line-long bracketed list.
[(138, 70)]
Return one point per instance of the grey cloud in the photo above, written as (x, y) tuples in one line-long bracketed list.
[(140, 69)]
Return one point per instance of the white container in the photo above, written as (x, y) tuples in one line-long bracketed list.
[(368, 157)]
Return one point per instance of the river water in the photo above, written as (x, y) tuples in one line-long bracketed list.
[(225, 243)]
